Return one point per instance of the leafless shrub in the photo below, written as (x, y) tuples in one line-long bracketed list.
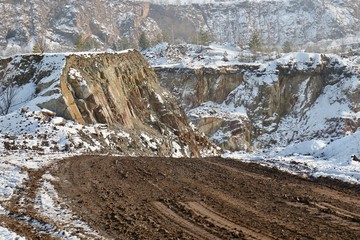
[(7, 97)]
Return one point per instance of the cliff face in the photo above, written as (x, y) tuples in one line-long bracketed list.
[(298, 97), (196, 86), (115, 22), (63, 23), (202, 91), (116, 89)]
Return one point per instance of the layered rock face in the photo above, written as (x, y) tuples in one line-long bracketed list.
[(298, 97), (118, 22), (116, 89), (63, 23), (197, 86), (297, 21)]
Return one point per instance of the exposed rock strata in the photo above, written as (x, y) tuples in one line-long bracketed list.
[(115, 22), (273, 97), (116, 89), (196, 86)]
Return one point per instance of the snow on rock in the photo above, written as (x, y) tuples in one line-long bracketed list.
[(149, 142), (304, 148), (305, 165), (176, 150), (301, 109), (37, 131), (315, 158), (342, 148), (194, 56), (301, 22), (8, 235), (72, 101), (319, 132)]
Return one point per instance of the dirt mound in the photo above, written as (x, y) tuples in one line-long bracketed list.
[(161, 198)]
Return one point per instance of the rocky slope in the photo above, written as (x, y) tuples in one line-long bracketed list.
[(115, 92), (64, 23), (276, 21), (298, 97), (116, 23)]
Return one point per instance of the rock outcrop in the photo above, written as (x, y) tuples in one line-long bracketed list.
[(300, 96), (116, 89), (196, 86), (119, 23)]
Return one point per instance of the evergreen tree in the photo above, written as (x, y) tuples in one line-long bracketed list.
[(84, 43), (255, 42), (204, 37), (40, 46), (166, 37), (122, 44), (287, 47), (143, 41), (350, 52), (37, 49)]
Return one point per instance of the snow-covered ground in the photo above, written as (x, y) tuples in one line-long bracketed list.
[(64, 223), (197, 56), (33, 140), (6, 234), (315, 158)]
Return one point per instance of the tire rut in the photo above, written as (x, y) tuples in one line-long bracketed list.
[(21, 209), (25, 216), (165, 198), (242, 206), (324, 211), (339, 211), (232, 169), (192, 229), (220, 221)]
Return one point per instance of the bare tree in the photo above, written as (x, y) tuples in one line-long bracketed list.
[(7, 97)]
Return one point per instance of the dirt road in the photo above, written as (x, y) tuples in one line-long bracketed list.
[(158, 198)]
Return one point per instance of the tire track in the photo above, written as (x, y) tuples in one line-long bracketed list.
[(339, 211), (187, 226), (242, 206), (232, 169), (338, 216), (218, 220), (336, 195), (164, 198), (23, 209)]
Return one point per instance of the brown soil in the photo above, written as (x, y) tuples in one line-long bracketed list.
[(161, 198)]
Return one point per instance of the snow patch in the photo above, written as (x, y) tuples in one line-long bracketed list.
[(176, 150), (49, 205), (314, 158), (8, 235), (304, 148)]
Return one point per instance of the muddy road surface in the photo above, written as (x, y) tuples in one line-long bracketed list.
[(160, 198)]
